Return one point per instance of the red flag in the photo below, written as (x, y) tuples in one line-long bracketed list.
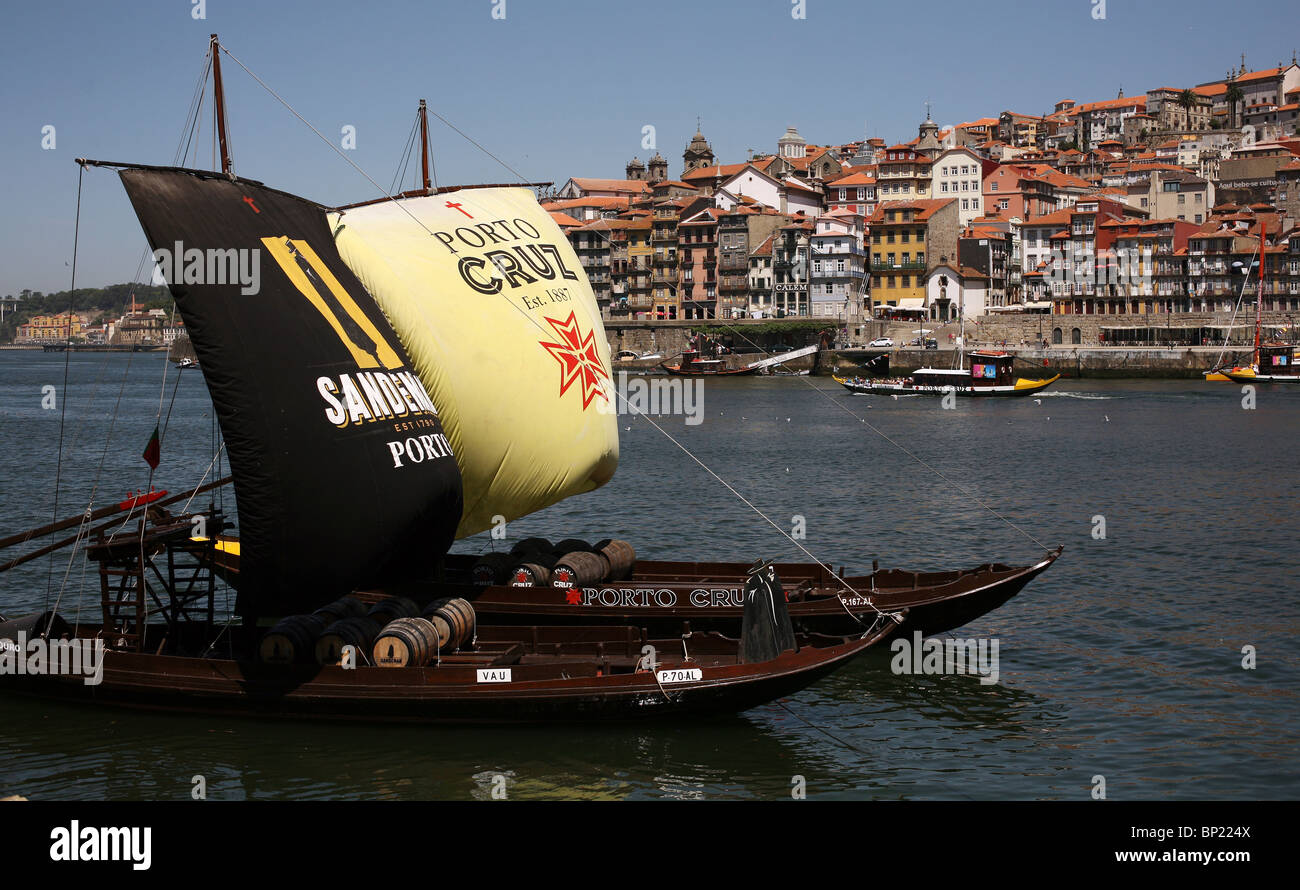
[(153, 451)]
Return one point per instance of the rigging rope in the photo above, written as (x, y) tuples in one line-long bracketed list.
[(67, 358), (192, 119)]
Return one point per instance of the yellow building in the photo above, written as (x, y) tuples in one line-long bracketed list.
[(48, 328), (908, 238), (639, 252)]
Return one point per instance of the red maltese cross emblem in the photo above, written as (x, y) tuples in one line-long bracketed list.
[(579, 361)]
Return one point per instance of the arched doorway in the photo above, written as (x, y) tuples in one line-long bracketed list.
[(1056, 337), (1076, 336)]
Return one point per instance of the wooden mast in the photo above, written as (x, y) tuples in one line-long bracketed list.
[(1259, 299), (424, 144), (219, 99)]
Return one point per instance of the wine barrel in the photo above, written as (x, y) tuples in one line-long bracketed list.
[(346, 607), (406, 642), (492, 568), (531, 545), (578, 569), (533, 571), (357, 632), (391, 609), (458, 616), (571, 545), (442, 630), (620, 555), (530, 574), (292, 639)]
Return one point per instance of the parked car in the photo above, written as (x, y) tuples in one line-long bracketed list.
[(781, 347), (931, 343), (883, 342)]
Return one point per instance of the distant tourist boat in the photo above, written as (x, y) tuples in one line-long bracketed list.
[(990, 374)]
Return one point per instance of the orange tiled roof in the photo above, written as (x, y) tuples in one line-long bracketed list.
[(1108, 104), (1265, 74), (622, 185), (927, 207)]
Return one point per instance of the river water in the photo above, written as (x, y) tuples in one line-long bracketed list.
[(1124, 661)]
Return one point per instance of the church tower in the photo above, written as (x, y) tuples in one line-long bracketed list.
[(636, 170), (658, 168), (698, 154)]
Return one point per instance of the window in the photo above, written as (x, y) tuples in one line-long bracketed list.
[(1004, 204), (993, 186)]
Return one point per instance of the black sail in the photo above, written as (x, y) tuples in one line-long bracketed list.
[(342, 473)]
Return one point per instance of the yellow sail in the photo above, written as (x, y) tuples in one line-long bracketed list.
[(497, 314)]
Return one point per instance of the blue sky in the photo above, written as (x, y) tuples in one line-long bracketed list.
[(558, 88)]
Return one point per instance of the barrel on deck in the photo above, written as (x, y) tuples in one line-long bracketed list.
[(391, 609), (406, 642), (620, 555), (578, 569), (454, 620), (531, 545), (533, 571), (492, 568), (292, 639), (346, 607), (357, 632)]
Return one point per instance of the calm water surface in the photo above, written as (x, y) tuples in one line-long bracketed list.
[(1124, 660)]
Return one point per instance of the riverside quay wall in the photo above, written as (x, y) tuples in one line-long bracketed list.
[(1181, 345)]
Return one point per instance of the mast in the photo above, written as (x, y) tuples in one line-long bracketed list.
[(1259, 299), (424, 144), (219, 100)]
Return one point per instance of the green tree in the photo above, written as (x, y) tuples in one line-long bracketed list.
[(1233, 96)]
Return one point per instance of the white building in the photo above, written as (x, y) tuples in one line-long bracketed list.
[(959, 173)]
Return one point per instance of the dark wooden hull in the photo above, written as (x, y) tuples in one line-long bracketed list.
[(670, 597), (543, 691)]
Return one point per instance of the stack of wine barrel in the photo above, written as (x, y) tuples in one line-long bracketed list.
[(395, 632), (535, 562)]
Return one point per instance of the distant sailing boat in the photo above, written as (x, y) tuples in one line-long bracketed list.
[(1270, 362)]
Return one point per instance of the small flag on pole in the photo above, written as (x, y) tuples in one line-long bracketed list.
[(153, 451)]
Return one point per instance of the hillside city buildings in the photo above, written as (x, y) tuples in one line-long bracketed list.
[(1149, 204)]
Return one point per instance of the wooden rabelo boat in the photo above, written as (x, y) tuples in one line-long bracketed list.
[(364, 435), (990, 374), (691, 364)]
